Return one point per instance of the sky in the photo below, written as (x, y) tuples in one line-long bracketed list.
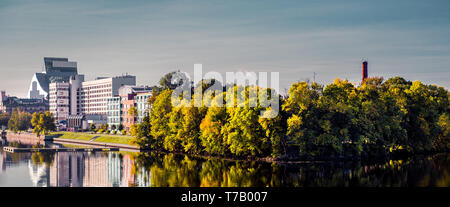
[(295, 38)]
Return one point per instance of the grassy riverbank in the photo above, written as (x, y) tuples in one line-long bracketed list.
[(118, 139)]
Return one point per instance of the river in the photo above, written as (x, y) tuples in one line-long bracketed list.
[(127, 169)]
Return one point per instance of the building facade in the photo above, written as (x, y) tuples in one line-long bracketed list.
[(129, 97), (93, 95), (56, 70), (59, 98), (114, 107), (9, 103), (89, 98), (142, 105)]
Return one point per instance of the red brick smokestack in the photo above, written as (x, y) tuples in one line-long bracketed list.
[(364, 70)]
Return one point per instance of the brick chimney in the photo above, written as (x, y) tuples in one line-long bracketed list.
[(364, 71)]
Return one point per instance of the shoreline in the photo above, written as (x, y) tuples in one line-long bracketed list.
[(29, 138)]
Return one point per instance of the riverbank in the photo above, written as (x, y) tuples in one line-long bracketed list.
[(72, 138), (118, 139)]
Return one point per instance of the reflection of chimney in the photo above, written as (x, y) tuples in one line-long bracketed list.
[(364, 70)]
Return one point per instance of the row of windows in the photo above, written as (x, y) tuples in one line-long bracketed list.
[(114, 120), (114, 113), (109, 90), (59, 89), (97, 96), (97, 87), (93, 100), (115, 107)]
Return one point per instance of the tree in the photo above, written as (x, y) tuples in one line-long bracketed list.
[(19, 121), (133, 112), (159, 120), (142, 135), (245, 136), (189, 133), (4, 118), (212, 128), (43, 123), (92, 127), (172, 80), (335, 121), (302, 108)]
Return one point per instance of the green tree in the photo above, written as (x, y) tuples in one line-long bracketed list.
[(4, 118), (212, 128), (142, 136), (244, 135), (172, 80), (159, 119), (43, 123), (92, 127), (19, 121)]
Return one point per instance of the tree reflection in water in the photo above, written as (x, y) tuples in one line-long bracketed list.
[(169, 170), (173, 170)]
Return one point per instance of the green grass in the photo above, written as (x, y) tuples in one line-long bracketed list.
[(100, 137), (73, 135), (74, 146), (114, 139)]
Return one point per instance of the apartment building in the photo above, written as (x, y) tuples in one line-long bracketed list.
[(114, 107), (89, 98), (93, 95), (142, 105), (129, 97), (59, 100)]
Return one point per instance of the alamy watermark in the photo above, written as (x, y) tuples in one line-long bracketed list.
[(241, 88)]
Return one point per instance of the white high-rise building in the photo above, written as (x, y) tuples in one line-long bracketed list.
[(59, 94)]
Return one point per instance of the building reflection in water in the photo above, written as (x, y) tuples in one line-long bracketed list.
[(103, 169), (75, 169), (39, 174)]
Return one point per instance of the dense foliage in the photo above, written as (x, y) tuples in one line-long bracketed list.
[(4, 118), (334, 121), (19, 121), (43, 123)]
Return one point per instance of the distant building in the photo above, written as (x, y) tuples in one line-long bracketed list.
[(77, 123), (119, 107), (142, 105), (93, 95), (56, 70), (8, 104), (114, 107), (89, 98), (59, 100)]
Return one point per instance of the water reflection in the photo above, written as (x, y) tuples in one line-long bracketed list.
[(76, 169), (183, 171)]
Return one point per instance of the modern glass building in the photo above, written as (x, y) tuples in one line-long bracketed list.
[(56, 70)]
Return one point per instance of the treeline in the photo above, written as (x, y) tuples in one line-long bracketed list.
[(338, 120), (40, 123)]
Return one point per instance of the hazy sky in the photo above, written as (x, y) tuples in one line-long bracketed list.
[(296, 38)]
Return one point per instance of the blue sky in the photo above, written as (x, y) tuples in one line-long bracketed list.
[(296, 38)]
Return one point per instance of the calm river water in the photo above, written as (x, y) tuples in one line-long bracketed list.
[(123, 169)]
